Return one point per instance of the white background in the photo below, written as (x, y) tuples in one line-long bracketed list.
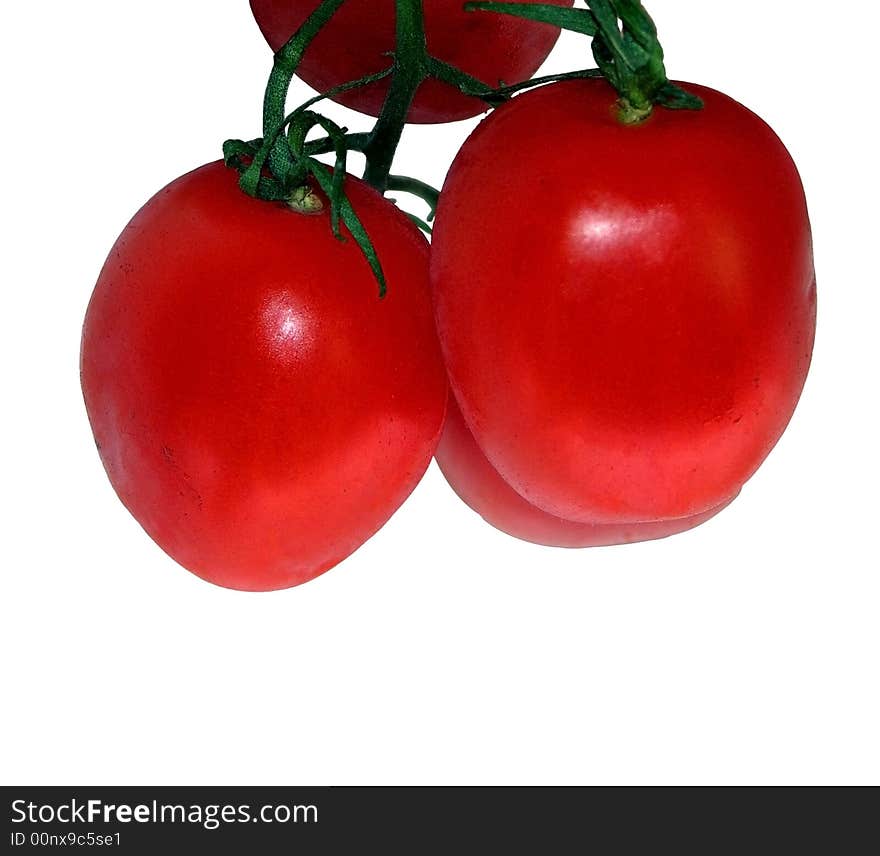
[(443, 651)]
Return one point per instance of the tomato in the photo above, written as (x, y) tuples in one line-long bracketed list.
[(494, 48), (479, 486), (257, 407), (627, 312)]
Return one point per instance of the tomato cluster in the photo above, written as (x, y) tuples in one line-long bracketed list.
[(625, 314)]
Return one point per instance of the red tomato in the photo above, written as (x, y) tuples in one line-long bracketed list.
[(479, 486), (258, 408), (494, 48), (627, 312)]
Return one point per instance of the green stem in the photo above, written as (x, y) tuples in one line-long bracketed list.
[(461, 80), (287, 61), (576, 20), (324, 145), (425, 227), (625, 46), (417, 188), (410, 71), (346, 87), (629, 54), (496, 97)]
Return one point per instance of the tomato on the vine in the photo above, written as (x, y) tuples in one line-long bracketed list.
[(479, 486), (258, 408), (356, 42), (627, 311)]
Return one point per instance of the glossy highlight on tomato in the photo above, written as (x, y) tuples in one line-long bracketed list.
[(627, 312), (478, 484), (257, 407), (356, 42)]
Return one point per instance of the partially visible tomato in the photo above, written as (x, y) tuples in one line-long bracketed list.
[(257, 407), (627, 312), (479, 486), (496, 49)]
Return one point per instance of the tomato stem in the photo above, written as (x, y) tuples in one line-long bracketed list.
[(410, 71), (418, 188), (625, 46), (497, 97), (287, 61)]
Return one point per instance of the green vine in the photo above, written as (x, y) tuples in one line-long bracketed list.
[(625, 46), (282, 166)]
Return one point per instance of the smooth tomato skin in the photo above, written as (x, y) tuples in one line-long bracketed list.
[(479, 486), (627, 313), (257, 407), (493, 48)]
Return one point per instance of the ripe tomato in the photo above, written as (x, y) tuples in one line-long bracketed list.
[(257, 407), (479, 486), (493, 48), (627, 312)]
